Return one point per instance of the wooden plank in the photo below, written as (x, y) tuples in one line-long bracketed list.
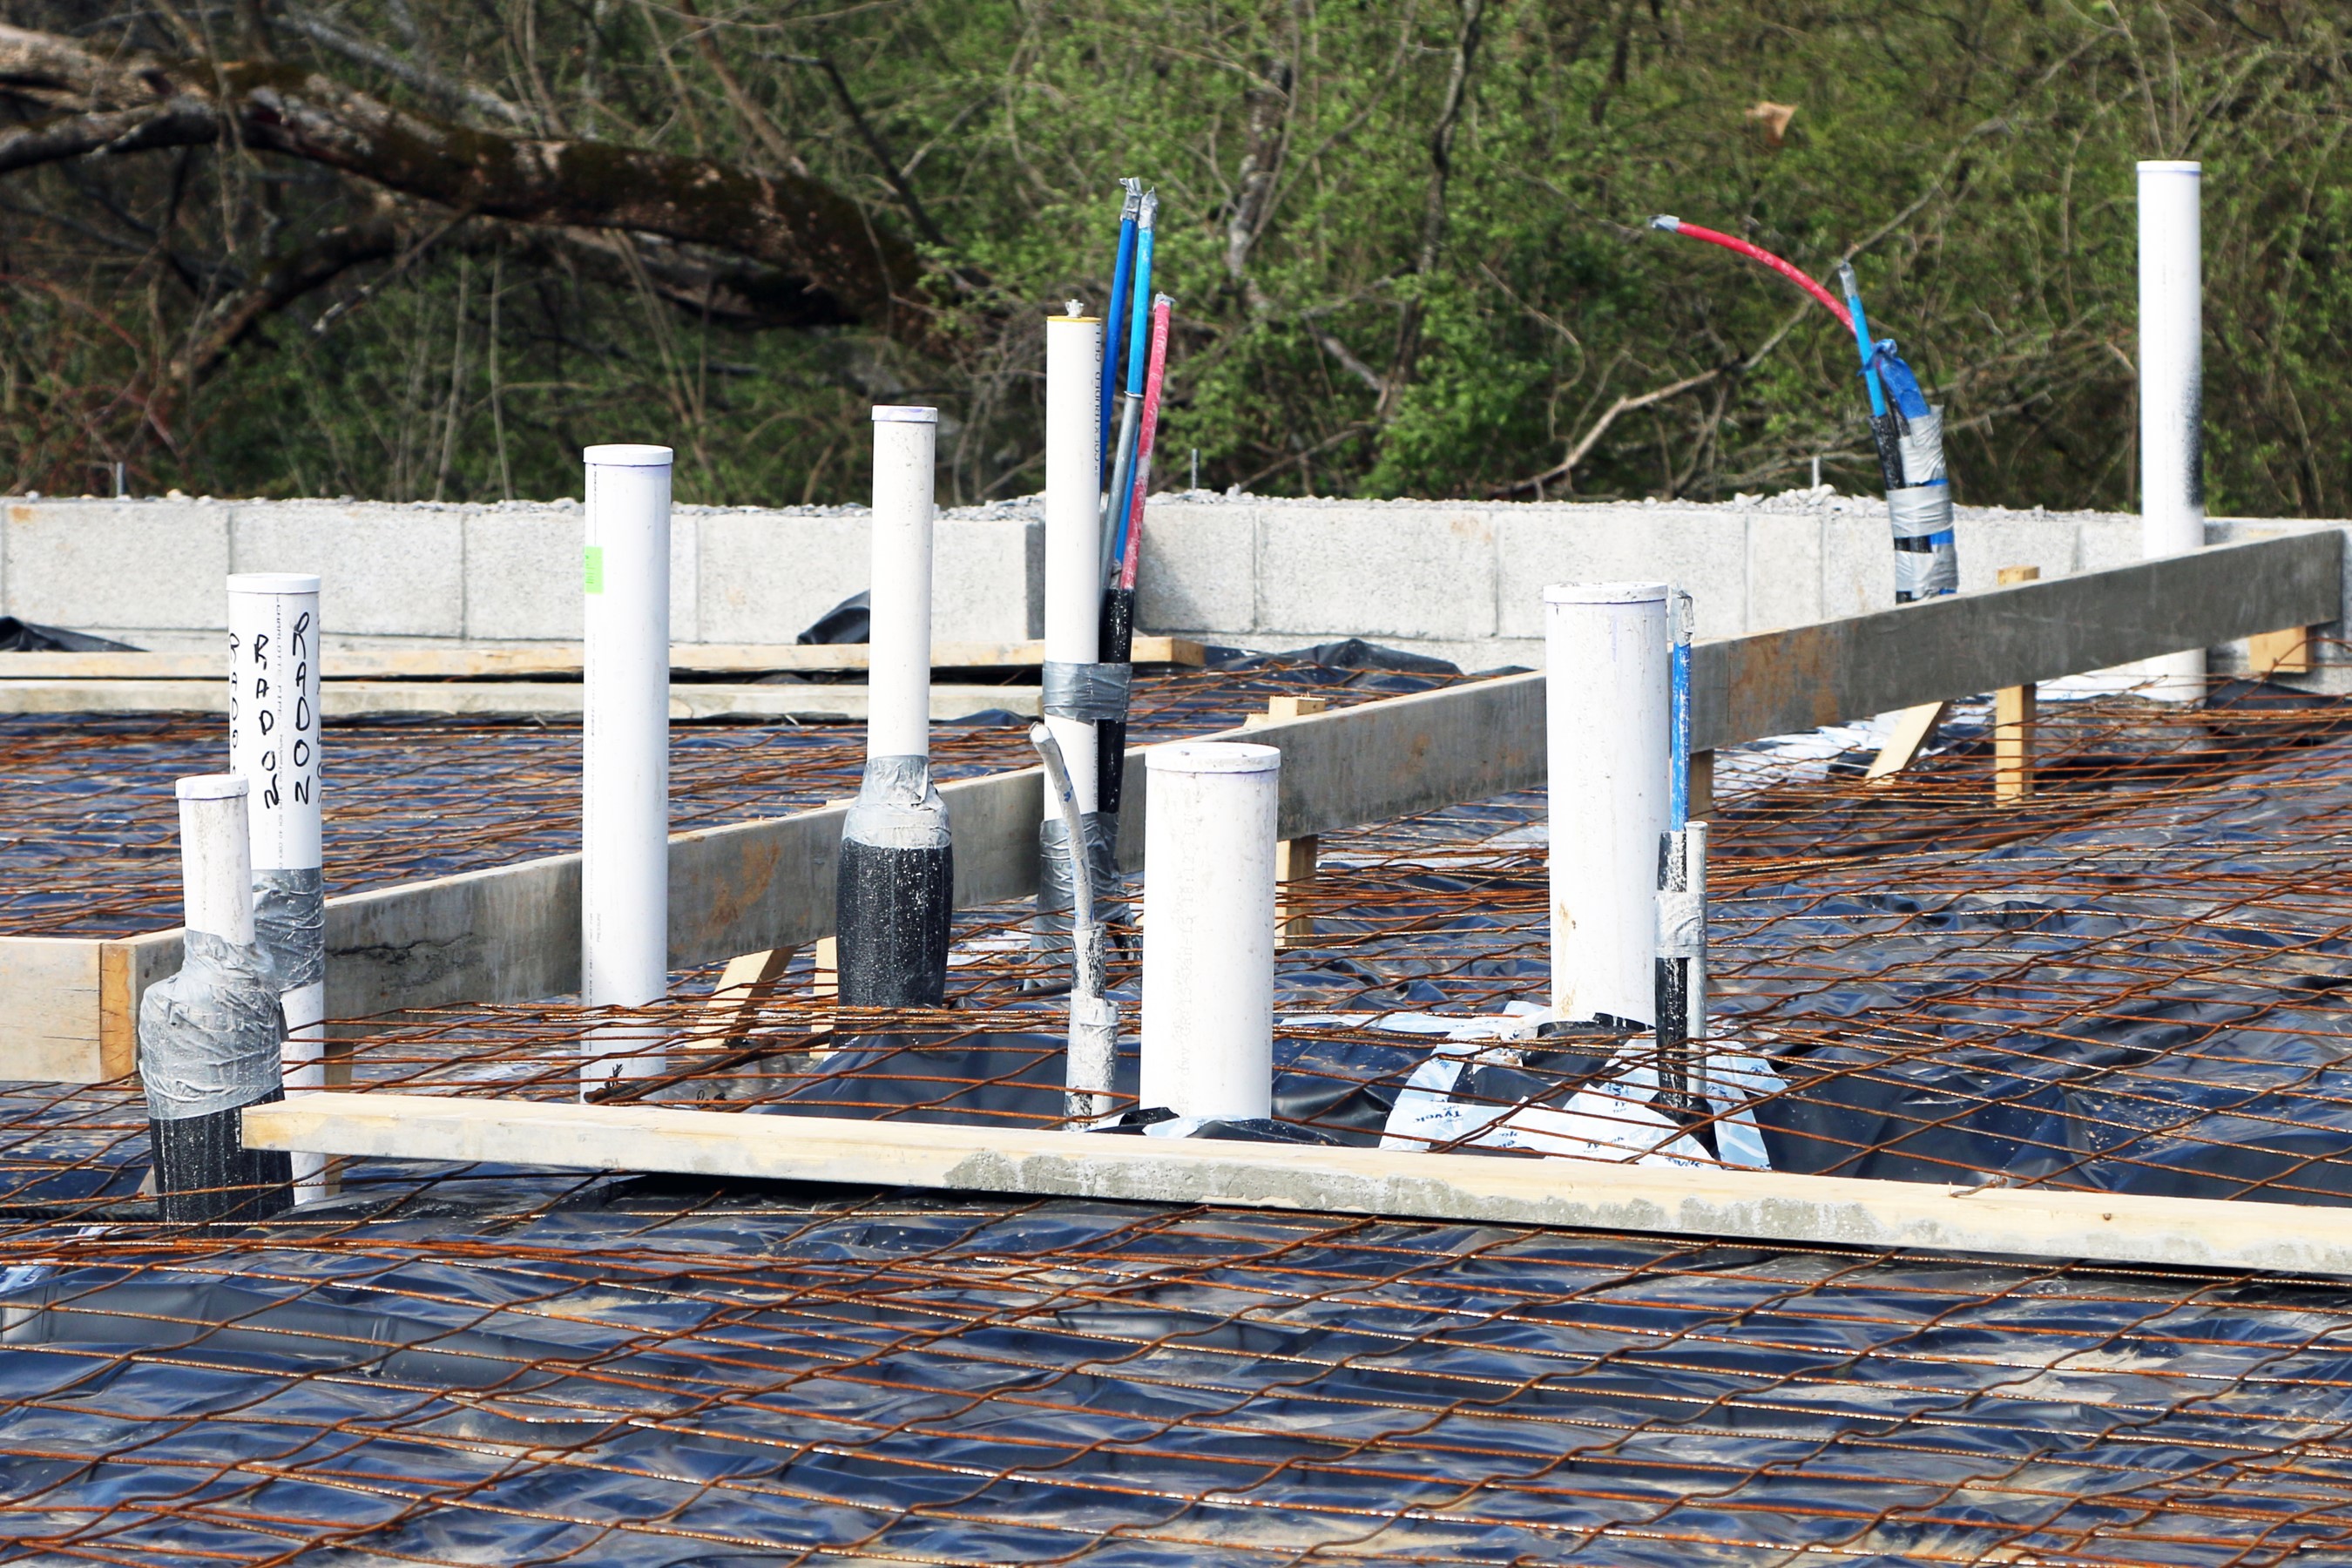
[(351, 699), (496, 663), (1914, 728), (50, 989), (1294, 859), (1583, 1195)]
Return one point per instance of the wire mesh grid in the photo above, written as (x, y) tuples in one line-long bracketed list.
[(89, 846), (2130, 982)]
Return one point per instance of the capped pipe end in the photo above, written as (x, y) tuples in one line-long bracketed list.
[(1212, 757), (273, 583), (1603, 593), (897, 414), (212, 786), (1666, 221), (2169, 166), (626, 456)]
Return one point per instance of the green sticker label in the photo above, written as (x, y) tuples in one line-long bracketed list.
[(595, 565)]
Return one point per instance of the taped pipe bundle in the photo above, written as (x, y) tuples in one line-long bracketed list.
[(894, 887), (1919, 492), (210, 1036), (1092, 1059)]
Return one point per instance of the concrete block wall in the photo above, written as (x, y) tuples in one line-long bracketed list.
[(1458, 580)]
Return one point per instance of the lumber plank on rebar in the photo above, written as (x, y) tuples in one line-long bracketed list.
[(1583, 1194), (509, 698), (556, 659)]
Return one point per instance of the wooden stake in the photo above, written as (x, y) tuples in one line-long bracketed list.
[(2013, 721), (2286, 652), (1294, 859), (1701, 784), (825, 984), (734, 1002)]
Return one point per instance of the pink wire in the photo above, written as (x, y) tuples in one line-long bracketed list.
[(1830, 301), (1149, 428)]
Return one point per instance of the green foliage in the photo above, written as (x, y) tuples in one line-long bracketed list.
[(1975, 157)]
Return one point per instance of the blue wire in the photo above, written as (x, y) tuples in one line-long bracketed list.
[(1861, 343), (1138, 339), (1118, 284), (1679, 734)]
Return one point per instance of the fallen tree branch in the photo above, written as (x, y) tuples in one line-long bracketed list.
[(789, 222)]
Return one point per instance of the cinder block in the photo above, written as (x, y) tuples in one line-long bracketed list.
[(766, 577), (1857, 564), (129, 565), (1991, 541), (1424, 571), (1784, 573), (392, 571), (981, 586), (1702, 550), (523, 573), (2105, 543), (1199, 571)]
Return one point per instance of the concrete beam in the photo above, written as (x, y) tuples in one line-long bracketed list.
[(1777, 683), (1567, 1193)]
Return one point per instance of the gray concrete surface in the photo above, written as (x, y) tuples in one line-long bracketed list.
[(1457, 579)]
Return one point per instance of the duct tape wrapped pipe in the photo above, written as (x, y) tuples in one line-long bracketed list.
[(895, 893), (289, 924), (209, 1038), (1091, 693), (1055, 897)]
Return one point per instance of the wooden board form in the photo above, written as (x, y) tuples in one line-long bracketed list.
[(512, 698), (1588, 1194), (557, 659)]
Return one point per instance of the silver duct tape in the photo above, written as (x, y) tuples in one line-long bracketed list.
[(1682, 924), (1923, 449), (1918, 511), (1922, 573), (290, 923), (1091, 692), (1055, 896), (897, 806), (209, 1036)]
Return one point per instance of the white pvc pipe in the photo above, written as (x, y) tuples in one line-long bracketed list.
[(216, 857), (625, 752), (273, 746), (898, 683), (1608, 657), (2171, 390), (1074, 584), (1208, 930)]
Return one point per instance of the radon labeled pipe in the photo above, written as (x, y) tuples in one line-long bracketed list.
[(209, 1037), (895, 892), (2171, 391), (1608, 661), (1079, 692), (1094, 1019), (273, 746), (624, 757), (1207, 1033)]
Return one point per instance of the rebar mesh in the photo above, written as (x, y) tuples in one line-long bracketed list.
[(2130, 982), (89, 846)]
